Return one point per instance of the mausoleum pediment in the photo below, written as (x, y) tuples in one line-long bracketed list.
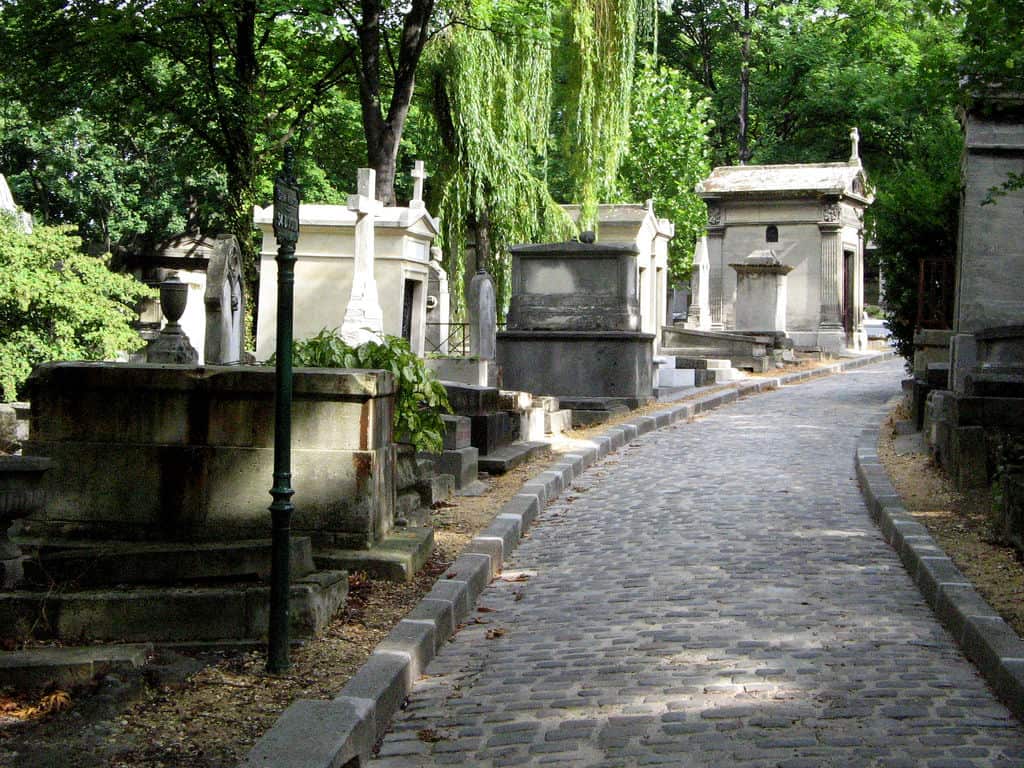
[(774, 181)]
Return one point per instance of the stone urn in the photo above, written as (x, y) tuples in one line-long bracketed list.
[(21, 494)]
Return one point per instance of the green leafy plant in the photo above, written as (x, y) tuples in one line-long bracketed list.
[(420, 398), (57, 303)]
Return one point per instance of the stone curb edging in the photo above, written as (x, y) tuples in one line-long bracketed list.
[(988, 641), (341, 733)]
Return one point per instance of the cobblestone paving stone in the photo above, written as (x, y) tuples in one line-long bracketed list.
[(715, 594)]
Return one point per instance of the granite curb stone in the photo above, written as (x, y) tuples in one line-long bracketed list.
[(986, 639), (345, 729)]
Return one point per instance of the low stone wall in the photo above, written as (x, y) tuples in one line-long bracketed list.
[(165, 452)]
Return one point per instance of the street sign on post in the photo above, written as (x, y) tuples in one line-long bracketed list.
[(286, 232)]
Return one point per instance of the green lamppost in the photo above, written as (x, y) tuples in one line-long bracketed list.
[(286, 231)]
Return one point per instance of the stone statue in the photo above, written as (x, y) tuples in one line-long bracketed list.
[(855, 142)]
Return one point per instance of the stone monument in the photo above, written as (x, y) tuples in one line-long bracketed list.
[(812, 216), (364, 319), (574, 323), (438, 306), (698, 317), (172, 344), (225, 305), (761, 293), (326, 272), (483, 316)]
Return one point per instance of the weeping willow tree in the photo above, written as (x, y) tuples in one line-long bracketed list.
[(499, 108), (599, 94)]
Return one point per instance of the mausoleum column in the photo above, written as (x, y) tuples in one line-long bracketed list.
[(831, 289), (716, 269)]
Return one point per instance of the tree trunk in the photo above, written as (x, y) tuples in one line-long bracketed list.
[(744, 138)]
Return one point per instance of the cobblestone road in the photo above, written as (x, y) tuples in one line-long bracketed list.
[(715, 594)]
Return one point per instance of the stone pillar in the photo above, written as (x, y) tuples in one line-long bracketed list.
[(364, 319), (831, 337), (699, 315), (716, 268)]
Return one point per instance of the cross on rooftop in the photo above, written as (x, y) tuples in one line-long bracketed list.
[(418, 175)]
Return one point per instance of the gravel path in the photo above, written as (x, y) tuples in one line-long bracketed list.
[(715, 594)]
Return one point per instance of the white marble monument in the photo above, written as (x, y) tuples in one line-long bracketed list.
[(343, 282)]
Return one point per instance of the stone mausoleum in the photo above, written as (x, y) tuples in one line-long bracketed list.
[(812, 217), (325, 266)]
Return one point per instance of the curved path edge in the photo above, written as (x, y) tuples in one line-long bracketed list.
[(985, 638), (341, 733)]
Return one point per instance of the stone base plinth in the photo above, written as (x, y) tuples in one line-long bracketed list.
[(181, 453), (578, 363)]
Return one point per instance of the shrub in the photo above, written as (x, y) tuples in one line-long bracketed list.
[(419, 399), (57, 303)]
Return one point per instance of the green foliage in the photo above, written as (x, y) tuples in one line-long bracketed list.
[(492, 102), (58, 304), (915, 216), (603, 33), (420, 398), (668, 156)]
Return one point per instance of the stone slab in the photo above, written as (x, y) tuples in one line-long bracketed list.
[(398, 557), (68, 666)]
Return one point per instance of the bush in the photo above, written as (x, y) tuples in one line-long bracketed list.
[(420, 398), (57, 303)]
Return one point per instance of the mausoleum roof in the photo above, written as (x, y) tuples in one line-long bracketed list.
[(841, 179), (314, 215), (625, 213)]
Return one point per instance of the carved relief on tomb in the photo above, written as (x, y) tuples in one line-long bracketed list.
[(831, 214), (714, 216)]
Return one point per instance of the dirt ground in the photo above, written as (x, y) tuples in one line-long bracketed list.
[(206, 712), (960, 523)]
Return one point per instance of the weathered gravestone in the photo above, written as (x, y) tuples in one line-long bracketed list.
[(698, 316), (483, 316), (225, 305), (761, 292)]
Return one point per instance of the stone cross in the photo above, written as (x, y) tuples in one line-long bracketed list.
[(364, 319), (418, 175), (855, 141)]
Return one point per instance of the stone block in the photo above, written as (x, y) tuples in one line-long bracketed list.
[(507, 457), (38, 668), (440, 614), (472, 569), (456, 594), (413, 639), (532, 424), (556, 422), (524, 506), (490, 431), (491, 547), (512, 400), (462, 464), (457, 431), (469, 400), (507, 529), (383, 682), (317, 734)]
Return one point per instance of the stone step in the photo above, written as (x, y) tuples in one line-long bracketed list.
[(398, 557), (670, 394), (675, 377), (510, 456), (701, 363), (109, 563), (173, 614), (512, 400), (588, 417), (68, 666), (460, 463)]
